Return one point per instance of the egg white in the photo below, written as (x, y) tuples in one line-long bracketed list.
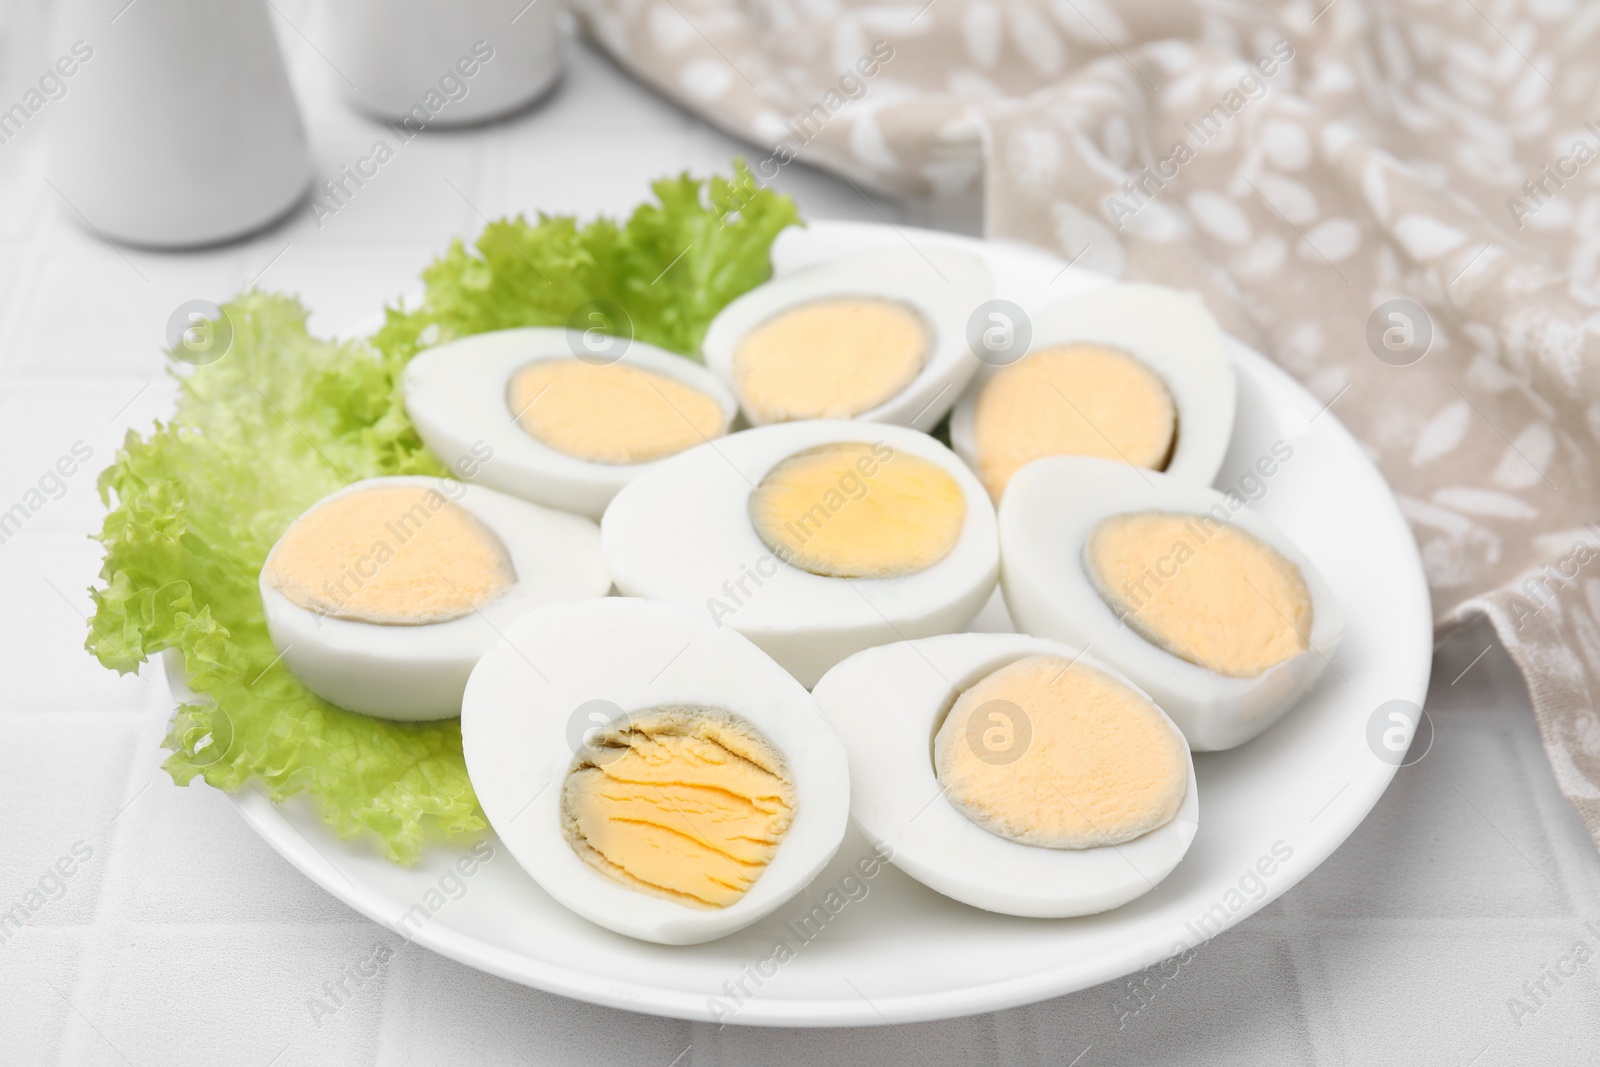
[(418, 672), (943, 285), (682, 533), (1173, 335), (456, 396), (1046, 516), (517, 730), (888, 702)]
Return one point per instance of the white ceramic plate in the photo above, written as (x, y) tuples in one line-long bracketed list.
[(895, 951)]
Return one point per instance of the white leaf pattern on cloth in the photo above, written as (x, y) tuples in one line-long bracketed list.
[(981, 34), (1442, 433), (1220, 217), (1426, 237), (1386, 143), (1484, 502), (1526, 459)]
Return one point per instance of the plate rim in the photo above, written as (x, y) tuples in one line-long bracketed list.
[(1358, 799)]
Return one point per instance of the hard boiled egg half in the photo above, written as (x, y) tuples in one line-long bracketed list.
[(1203, 602), (1134, 373), (547, 415), (655, 773), (382, 596), (1052, 785), (813, 539), (879, 336)]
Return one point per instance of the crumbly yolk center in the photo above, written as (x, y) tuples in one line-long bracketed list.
[(402, 555), (1057, 754), (853, 510), (610, 414), (1202, 589), (832, 359), (685, 803), (1072, 400)]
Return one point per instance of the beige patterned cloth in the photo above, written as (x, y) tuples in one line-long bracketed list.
[(1301, 167)]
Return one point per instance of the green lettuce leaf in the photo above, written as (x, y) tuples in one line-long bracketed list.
[(669, 269), (284, 418)]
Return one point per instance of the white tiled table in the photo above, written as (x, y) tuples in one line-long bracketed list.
[(183, 939)]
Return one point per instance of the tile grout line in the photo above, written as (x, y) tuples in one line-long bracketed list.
[(94, 968)]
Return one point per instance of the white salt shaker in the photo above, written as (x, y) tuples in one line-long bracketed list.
[(178, 126), (443, 62)]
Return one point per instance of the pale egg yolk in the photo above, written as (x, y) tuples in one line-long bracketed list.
[(853, 510), (832, 359), (400, 554), (612, 413), (682, 802), (1058, 754), (1202, 589), (1072, 400)]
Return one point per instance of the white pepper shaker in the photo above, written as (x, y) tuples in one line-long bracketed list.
[(178, 127), (443, 62)]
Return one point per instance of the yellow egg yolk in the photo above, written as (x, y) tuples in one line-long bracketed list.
[(401, 554), (610, 414), (832, 359), (1058, 754), (1072, 400), (681, 802), (1202, 589), (853, 510)]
